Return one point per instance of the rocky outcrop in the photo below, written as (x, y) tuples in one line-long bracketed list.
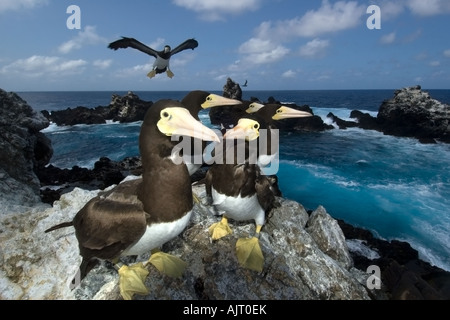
[(404, 275), (123, 109), (413, 113), (306, 258), (410, 113), (308, 255), (23, 149), (232, 90), (56, 181), (226, 116)]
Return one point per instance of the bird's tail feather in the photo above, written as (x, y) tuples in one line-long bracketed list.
[(59, 226)]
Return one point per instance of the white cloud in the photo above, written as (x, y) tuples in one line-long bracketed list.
[(158, 44), (138, 71), (428, 7), (258, 51), (447, 53), (6, 5), (86, 37), (413, 36), (388, 38), (421, 56), (289, 74), (391, 9), (435, 63), (314, 48), (213, 10), (221, 77), (102, 64), (267, 45), (36, 66), (328, 18)]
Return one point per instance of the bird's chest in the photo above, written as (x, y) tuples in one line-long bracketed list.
[(161, 63), (237, 207), (157, 234)]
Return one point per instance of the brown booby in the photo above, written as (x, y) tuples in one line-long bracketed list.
[(139, 216), (273, 112), (161, 63), (196, 101), (240, 190)]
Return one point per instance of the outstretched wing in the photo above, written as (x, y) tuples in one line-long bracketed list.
[(188, 44), (132, 43)]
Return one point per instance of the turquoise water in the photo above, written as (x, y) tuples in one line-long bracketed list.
[(395, 187)]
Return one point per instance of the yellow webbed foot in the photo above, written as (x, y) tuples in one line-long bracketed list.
[(151, 74), (220, 229), (196, 198), (249, 254), (169, 74), (131, 280), (168, 264)]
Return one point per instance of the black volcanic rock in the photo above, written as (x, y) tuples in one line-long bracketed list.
[(104, 174), (365, 120), (123, 109), (23, 149), (342, 124), (232, 90), (413, 113), (410, 113), (26, 151), (404, 274)]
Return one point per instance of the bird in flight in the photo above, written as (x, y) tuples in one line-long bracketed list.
[(161, 63)]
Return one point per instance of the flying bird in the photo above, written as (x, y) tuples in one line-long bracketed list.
[(161, 63)]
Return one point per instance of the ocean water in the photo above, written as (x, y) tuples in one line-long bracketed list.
[(395, 187)]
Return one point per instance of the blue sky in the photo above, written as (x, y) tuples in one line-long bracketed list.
[(274, 44)]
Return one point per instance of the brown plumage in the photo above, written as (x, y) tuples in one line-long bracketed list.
[(126, 220)]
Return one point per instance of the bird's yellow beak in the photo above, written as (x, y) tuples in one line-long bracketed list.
[(214, 100), (285, 113), (253, 107), (247, 129), (179, 121)]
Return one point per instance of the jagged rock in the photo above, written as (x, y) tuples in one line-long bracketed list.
[(328, 235), (295, 266), (129, 108), (23, 149), (232, 90), (123, 109), (413, 113), (404, 275), (410, 113), (56, 181)]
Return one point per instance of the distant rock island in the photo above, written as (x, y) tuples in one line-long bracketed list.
[(309, 255), (410, 113), (123, 109)]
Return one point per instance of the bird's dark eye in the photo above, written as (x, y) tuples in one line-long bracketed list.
[(165, 114), (279, 111), (256, 126), (208, 99)]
